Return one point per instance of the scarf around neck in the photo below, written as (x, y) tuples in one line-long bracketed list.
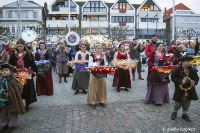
[(20, 62)]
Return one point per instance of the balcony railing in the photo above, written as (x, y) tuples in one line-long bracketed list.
[(72, 9), (22, 18), (55, 8)]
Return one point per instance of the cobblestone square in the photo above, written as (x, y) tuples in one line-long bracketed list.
[(125, 112)]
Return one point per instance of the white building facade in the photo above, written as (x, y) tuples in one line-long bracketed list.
[(96, 17), (149, 19), (31, 15), (186, 19), (122, 13)]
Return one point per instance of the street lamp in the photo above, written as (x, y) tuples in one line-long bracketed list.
[(147, 24), (173, 21), (156, 22), (138, 26)]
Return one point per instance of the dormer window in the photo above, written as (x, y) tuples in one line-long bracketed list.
[(57, 5), (125, 6), (149, 8), (94, 6)]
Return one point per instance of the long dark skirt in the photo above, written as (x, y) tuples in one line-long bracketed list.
[(44, 83), (29, 92), (157, 93), (81, 80), (122, 78)]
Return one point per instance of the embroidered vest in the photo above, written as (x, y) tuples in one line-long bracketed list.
[(122, 56), (101, 59)]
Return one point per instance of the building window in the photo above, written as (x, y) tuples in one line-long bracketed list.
[(193, 19), (127, 19), (95, 18), (23, 28), (26, 14), (94, 6), (150, 8), (103, 18), (198, 19), (9, 14), (34, 14), (13, 29), (186, 19), (179, 19), (148, 19), (103, 31), (123, 5), (130, 33), (94, 31)]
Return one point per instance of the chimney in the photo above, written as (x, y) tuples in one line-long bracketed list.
[(165, 9), (46, 7)]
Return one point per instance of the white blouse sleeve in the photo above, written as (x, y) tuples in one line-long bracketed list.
[(91, 63), (76, 56), (128, 57), (115, 56), (105, 61)]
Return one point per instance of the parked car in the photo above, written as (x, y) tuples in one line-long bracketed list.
[(188, 51), (143, 58)]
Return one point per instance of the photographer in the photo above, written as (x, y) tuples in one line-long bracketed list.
[(172, 48), (62, 59), (135, 50)]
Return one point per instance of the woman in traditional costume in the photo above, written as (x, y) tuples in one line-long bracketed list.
[(62, 59), (97, 91), (44, 82), (81, 77), (158, 91), (122, 76), (23, 58)]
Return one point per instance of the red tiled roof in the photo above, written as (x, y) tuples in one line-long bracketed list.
[(179, 6)]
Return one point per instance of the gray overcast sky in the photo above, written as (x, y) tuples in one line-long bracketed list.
[(192, 4)]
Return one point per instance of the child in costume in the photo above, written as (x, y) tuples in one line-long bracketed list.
[(10, 99), (185, 79)]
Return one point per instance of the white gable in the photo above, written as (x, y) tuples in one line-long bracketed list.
[(146, 1), (124, 2), (23, 4), (88, 4)]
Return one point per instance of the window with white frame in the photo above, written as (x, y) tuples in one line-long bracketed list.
[(34, 14), (9, 13), (103, 18), (94, 6), (13, 29), (193, 19), (127, 19), (26, 14), (122, 5), (186, 20), (198, 19), (179, 19)]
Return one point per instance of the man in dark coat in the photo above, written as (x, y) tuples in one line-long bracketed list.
[(196, 47), (184, 77)]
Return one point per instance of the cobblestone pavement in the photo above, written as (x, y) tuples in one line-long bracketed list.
[(125, 112)]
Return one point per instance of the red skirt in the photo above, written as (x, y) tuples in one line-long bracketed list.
[(122, 78), (44, 83)]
